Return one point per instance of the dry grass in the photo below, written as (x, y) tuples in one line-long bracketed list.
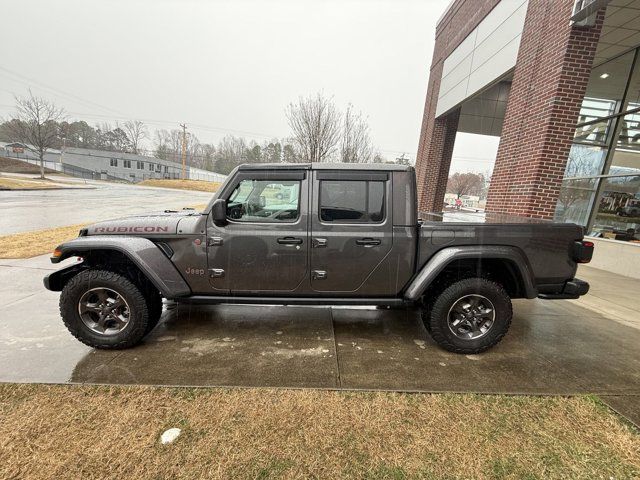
[(30, 244), (113, 432), (198, 185), (15, 165), (7, 183)]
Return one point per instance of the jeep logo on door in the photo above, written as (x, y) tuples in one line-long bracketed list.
[(194, 271)]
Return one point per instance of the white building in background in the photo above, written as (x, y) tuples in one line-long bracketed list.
[(104, 165), (19, 150)]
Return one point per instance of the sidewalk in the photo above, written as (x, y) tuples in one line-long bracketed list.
[(613, 296)]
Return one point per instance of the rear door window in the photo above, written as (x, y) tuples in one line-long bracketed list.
[(352, 201)]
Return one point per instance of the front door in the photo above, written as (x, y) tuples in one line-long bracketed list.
[(263, 247), (351, 232)]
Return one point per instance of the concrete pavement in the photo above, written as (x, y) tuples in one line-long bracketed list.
[(613, 296), (553, 347), (24, 211)]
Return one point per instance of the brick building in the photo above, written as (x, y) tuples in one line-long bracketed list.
[(559, 82)]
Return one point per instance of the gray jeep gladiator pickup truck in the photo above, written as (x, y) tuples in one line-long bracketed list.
[(316, 234)]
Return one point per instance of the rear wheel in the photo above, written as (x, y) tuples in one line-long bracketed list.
[(104, 309), (469, 316)]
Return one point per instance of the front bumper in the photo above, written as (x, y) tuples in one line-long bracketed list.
[(572, 289), (47, 283), (56, 280)]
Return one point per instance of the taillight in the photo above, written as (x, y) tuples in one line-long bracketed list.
[(582, 251)]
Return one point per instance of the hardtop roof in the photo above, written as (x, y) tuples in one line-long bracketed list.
[(327, 166)]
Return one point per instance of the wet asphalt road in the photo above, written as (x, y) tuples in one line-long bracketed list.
[(24, 210), (553, 347)]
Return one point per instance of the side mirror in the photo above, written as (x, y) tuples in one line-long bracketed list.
[(219, 212)]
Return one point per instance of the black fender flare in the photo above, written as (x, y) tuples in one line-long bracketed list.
[(142, 252), (439, 261)]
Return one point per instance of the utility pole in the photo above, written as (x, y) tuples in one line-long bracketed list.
[(184, 150)]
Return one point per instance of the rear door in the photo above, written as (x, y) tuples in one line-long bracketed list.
[(351, 232)]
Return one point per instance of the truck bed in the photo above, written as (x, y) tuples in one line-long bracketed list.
[(546, 245), (463, 216)]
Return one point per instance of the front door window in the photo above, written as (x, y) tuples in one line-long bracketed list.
[(264, 201)]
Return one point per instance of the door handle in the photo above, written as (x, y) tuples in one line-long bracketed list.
[(215, 241), (216, 272), (319, 275), (289, 241), (368, 242), (319, 242)]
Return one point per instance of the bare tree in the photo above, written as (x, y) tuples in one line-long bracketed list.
[(136, 132), (37, 127), (572, 191), (355, 145), (315, 122), (465, 184), (168, 144), (378, 157), (231, 152)]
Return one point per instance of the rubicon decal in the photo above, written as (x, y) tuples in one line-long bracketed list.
[(148, 229)]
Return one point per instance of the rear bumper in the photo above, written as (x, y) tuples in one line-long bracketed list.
[(572, 289)]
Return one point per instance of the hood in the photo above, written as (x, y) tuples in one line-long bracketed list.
[(162, 223)]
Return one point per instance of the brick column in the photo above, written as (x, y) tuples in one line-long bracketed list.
[(433, 172), (550, 79)]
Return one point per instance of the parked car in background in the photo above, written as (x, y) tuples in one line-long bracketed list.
[(631, 209)]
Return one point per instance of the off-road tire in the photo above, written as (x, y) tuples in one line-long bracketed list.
[(436, 320), (154, 306), (133, 295)]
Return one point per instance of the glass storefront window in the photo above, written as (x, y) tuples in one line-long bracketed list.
[(606, 87), (633, 95), (595, 132), (618, 214), (575, 200), (585, 161), (601, 186), (626, 156)]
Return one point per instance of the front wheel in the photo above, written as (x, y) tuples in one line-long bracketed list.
[(470, 316), (104, 309), (154, 306)]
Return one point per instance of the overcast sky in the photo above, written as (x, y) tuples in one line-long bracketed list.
[(229, 66)]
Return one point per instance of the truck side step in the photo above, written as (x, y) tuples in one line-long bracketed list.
[(207, 299)]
